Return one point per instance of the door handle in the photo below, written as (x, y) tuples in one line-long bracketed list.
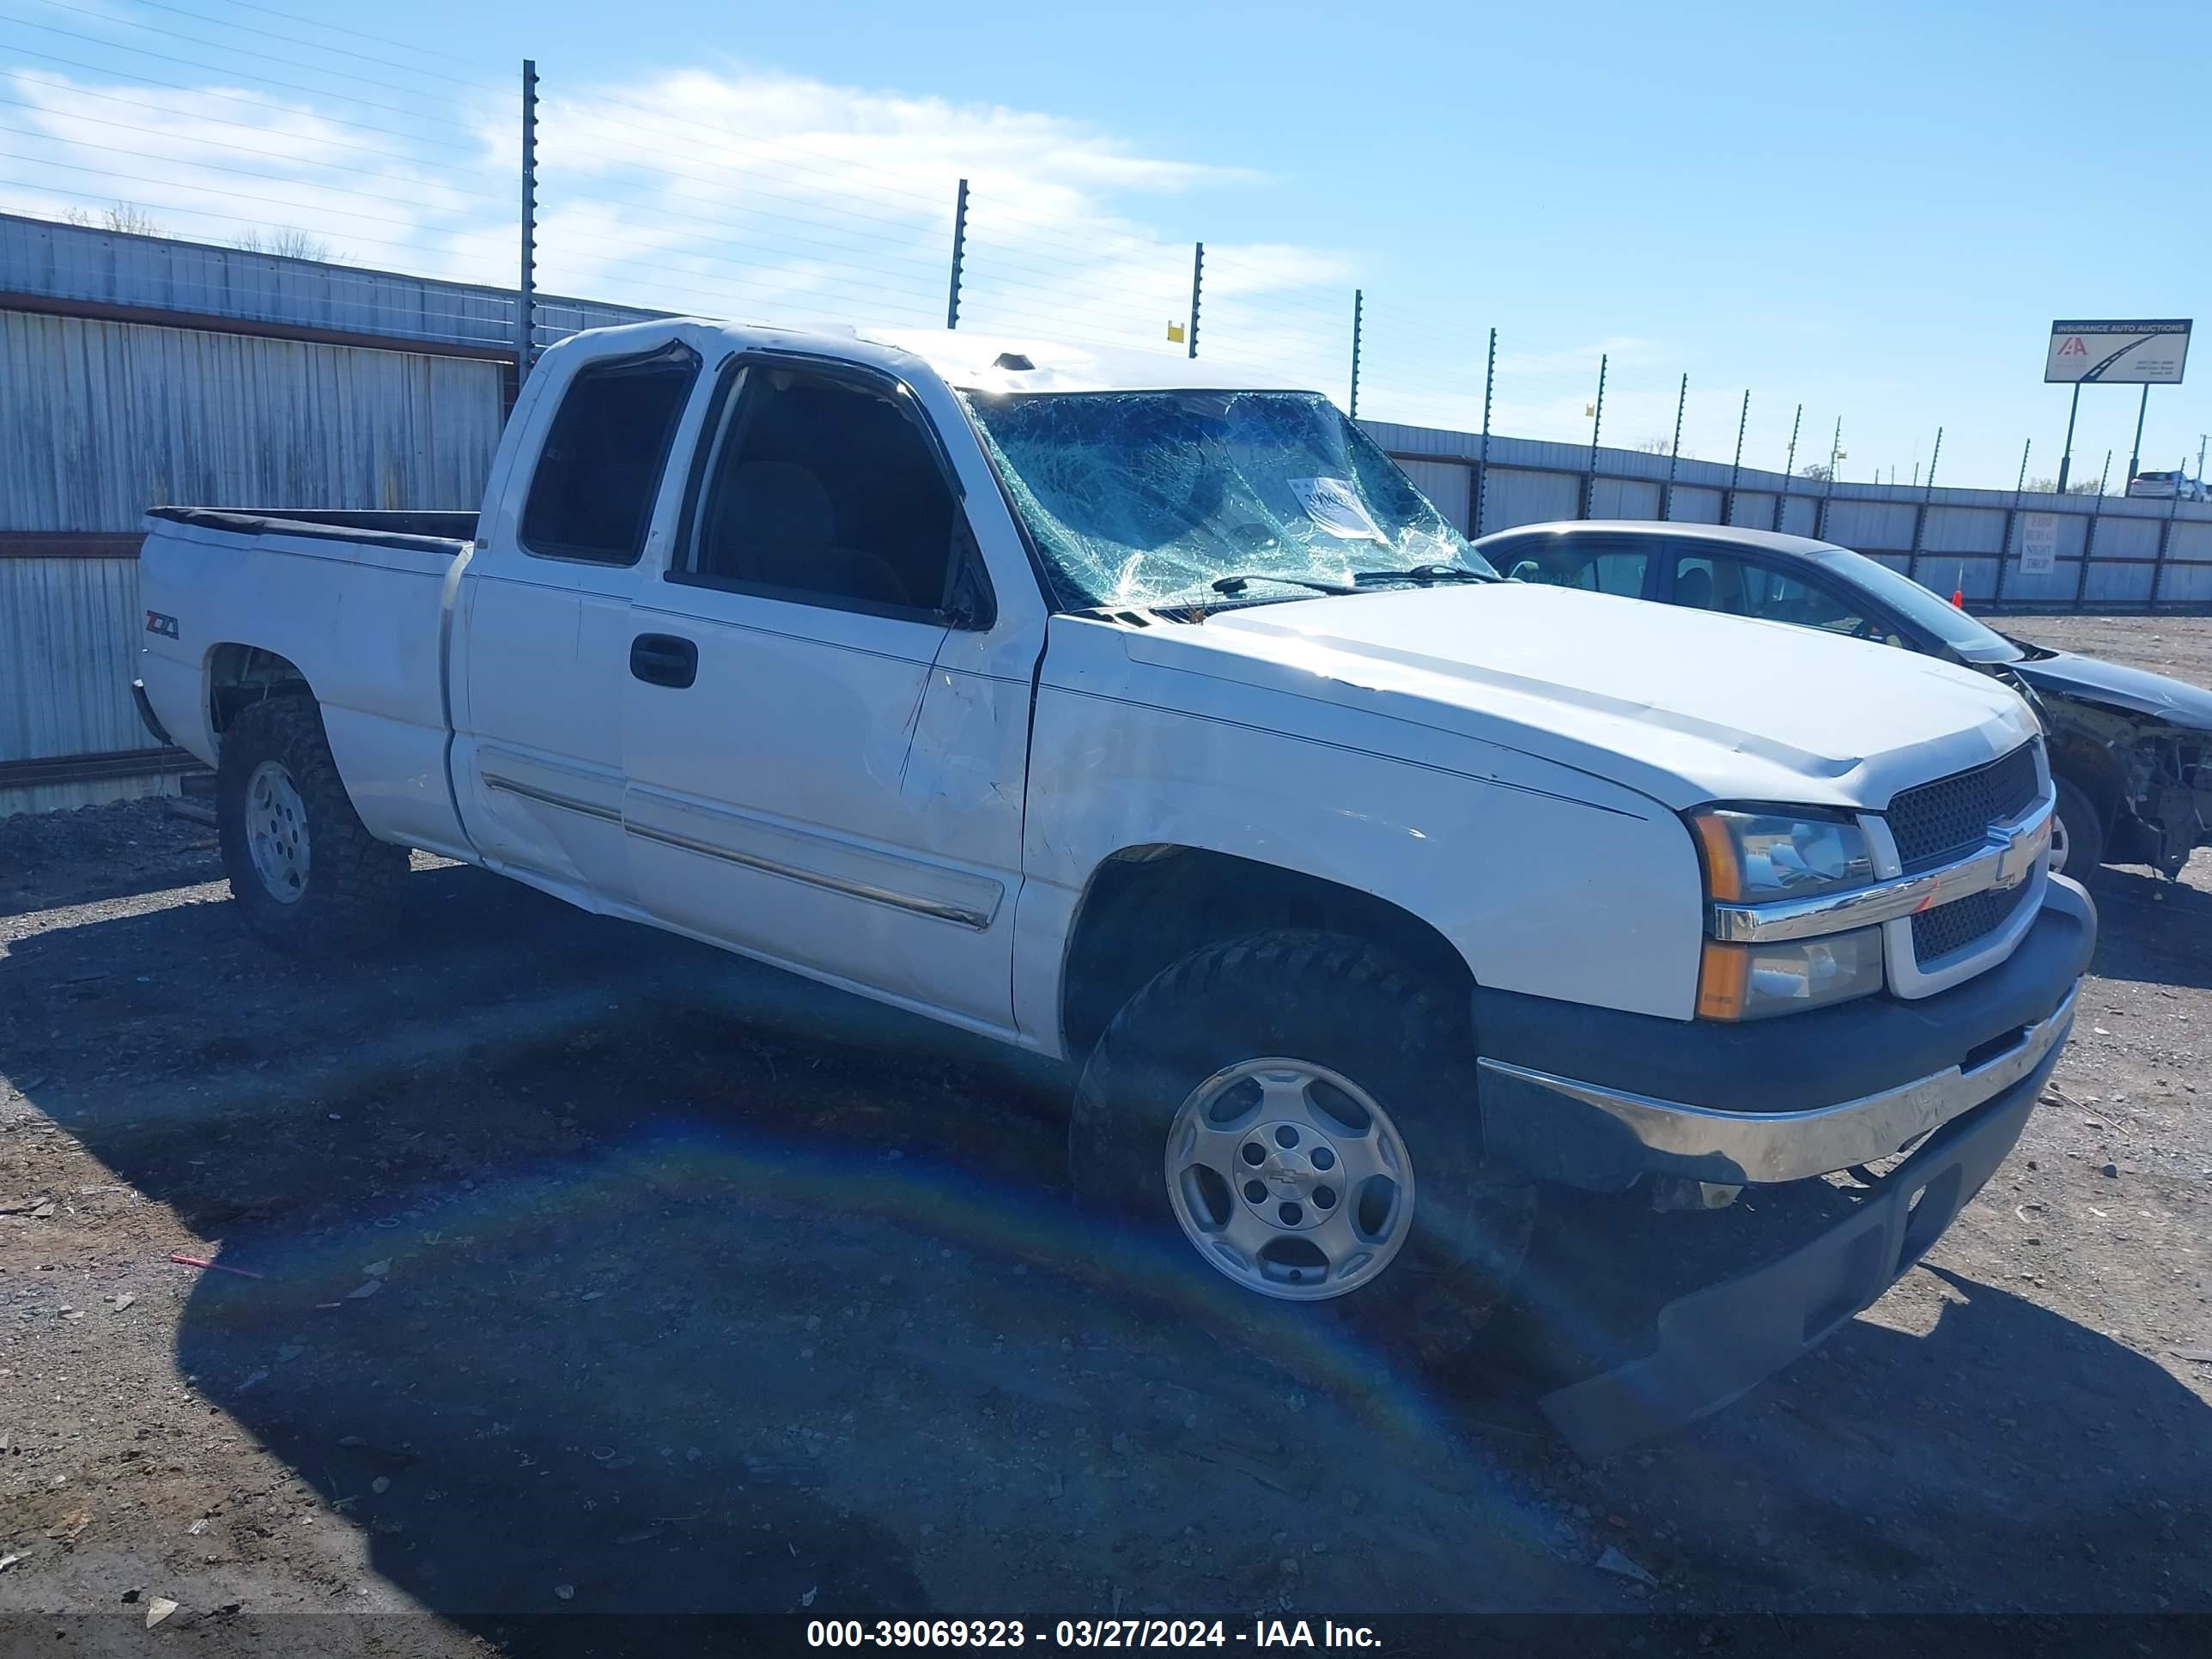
[(664, 660)]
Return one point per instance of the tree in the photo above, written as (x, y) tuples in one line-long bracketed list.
[(1816, 470), (123, 216), (289, 244), (2049, 487)]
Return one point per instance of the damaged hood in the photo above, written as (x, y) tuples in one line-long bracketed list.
[(2152, 696), (1684, 706)]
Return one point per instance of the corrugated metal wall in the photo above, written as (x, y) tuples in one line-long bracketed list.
[(1965, 536), (111, 268), (120, 417), (106, 419)]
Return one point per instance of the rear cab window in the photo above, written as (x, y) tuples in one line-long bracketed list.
[(592, 494)]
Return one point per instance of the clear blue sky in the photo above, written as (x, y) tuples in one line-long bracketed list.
[(1875, 210)]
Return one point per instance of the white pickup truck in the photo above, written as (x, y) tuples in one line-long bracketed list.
[(1127, 711)]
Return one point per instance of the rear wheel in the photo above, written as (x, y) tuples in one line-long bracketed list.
[(304, 871), (1304, 1115), (2077, 835)]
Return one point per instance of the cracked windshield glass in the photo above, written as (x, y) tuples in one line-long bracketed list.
[(1140, 498)]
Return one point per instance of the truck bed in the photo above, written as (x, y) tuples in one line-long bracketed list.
[(334, 524)]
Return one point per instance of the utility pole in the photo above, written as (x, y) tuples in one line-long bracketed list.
[(959, 255), (1482, 473), (1828, 489), (2011, 517), (1674, 455), (1787, 465), (2066, 458), (1597, 421), (1358, 301), (1197, 283), (526, 292), (1927, 501), (1736, 469)]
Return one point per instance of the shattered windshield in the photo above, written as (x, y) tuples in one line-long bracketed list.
[(1138, 498)]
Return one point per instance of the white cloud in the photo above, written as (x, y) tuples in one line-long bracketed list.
[(752, 193)]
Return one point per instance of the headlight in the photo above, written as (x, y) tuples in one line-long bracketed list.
[(1751, 982), (1753, 857)]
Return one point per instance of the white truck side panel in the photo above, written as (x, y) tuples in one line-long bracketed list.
[(362, 621), (1547, 880)]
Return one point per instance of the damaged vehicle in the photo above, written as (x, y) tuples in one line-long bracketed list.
[(1149, 718), (2131, 752)]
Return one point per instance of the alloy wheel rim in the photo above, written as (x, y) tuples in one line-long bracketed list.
[(277, 832), (1290, 1179)]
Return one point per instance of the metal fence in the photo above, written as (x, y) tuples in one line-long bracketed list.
[(2112, 552), (138, 369)]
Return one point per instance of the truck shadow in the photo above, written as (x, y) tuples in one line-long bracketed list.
[(594, 1261), (2153, 931)]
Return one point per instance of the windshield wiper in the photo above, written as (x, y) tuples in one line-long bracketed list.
[(1236, 584), (1425, 573)]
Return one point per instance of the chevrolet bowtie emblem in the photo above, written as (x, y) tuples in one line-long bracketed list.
[(2019, 853)]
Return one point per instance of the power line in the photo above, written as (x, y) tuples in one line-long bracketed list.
[(108, 199), (232, 50), (215, 144), (216, 92), (211, 190), (902, 187), (741, 210), (560, 139), (247, 29), (213, 69), (335, 28), (82, 145)]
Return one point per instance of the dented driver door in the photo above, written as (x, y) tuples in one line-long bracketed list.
[(821, 770)]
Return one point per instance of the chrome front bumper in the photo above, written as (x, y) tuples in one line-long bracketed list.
[(1754, 1147)]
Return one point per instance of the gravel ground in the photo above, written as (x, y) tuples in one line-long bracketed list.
[(583, 1270)]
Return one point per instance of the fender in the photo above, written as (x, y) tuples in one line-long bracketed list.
[(1546, 880)]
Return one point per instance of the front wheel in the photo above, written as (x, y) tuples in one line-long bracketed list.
[(304, 870), (2077, 835), (1304, 1115)]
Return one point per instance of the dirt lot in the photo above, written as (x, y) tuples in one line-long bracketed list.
[(581, 1270)]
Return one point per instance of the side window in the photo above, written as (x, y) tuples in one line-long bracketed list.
[(1599, 565), (1621, 572), (591, 497), (825, 490), (1740, 588)]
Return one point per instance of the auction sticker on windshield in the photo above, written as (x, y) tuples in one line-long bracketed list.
[(1332, 504)]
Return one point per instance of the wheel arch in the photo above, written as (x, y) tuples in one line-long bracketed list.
[(239, 674), (2094, 770), (1146, 907)]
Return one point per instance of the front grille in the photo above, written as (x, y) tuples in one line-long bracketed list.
[(1950, 818), (1949, 928)]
